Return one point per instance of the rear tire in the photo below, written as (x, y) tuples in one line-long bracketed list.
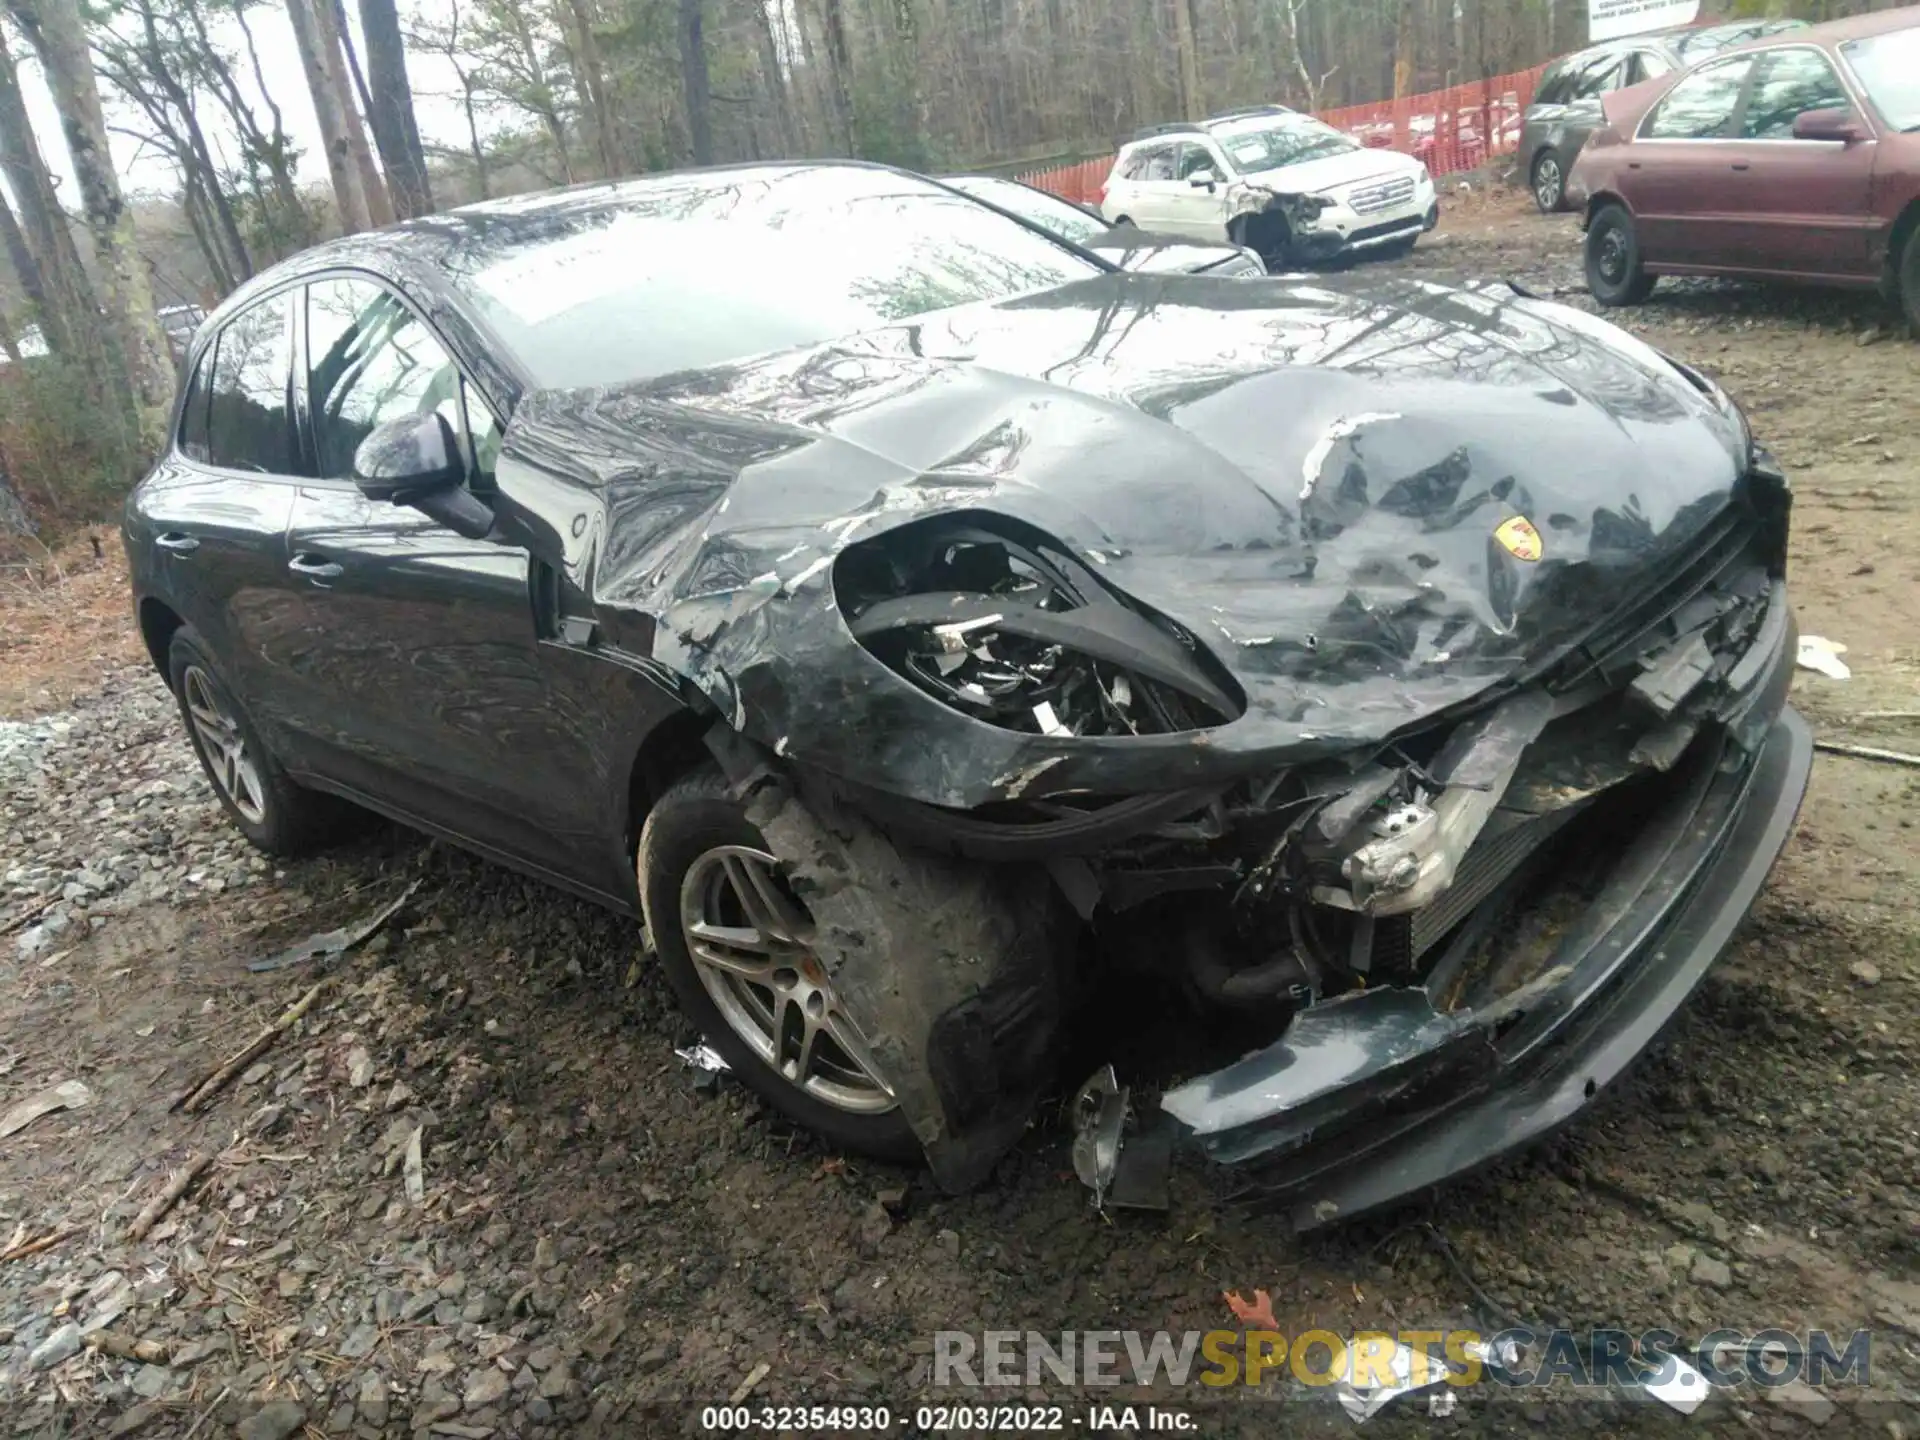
[(275, 814), (1614, 272), (1549, 183), (1909, 281), (696, 839)]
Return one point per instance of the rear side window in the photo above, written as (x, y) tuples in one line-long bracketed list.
[(1555, 84), (247, 425), (1599, 78), (193, 412), (1789, 82), (1701, 106), (1647, 66), (1151, 162)]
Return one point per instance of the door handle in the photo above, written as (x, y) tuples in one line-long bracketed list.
[(1633, 164), (1740, 165), (176, 543), (314, 567)]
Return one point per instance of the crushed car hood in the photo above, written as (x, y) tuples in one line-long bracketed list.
[(1315, 479)]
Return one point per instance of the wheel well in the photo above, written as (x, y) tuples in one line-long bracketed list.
[(1597, 203), (157, 624), (671, 749), (1903, 227)]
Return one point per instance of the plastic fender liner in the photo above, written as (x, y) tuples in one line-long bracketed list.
[(946, 965)]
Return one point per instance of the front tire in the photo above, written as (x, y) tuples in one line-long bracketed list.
[(1909, 281), (1614, 272), (1549, 183), (275, 814), (732, 938)]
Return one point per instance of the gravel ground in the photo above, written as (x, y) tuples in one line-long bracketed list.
[(591, 1242)]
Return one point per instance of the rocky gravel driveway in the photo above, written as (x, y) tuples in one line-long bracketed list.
[(471, 1192)]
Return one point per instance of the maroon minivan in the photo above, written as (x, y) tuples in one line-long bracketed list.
[(1797, 156)]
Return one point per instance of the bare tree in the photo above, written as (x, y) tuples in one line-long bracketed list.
[(695, 84), (69, 312), (390, 110), (337, 39), (322, 65), (446, 39), (60, 38)]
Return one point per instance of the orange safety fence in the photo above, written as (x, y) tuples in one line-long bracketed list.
[(1450, 130)]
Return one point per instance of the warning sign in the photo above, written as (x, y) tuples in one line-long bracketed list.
[(1610, 19)]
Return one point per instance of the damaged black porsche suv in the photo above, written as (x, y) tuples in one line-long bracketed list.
[(929, 629)]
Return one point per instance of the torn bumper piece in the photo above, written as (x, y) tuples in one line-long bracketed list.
[(1375, 1095)]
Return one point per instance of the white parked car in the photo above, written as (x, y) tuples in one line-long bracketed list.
[(1290, 186)]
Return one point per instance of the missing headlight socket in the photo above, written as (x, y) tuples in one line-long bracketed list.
[(1013, 631)]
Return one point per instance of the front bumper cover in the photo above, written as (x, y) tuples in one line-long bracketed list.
[(1374, 1096)]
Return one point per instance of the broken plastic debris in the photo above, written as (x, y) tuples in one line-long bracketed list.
[(1099, 1110), (707, 1064), (69, 1095), (953, 637), (1140, 1177), (1362, 1403), (1048, 722), (414, 1169), (1821, 654), (1257, 1312), (1441, 1402), (1684, 1390), (335, 942), (1502, 1352)]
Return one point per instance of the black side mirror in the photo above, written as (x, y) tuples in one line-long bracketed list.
[(416, 460)]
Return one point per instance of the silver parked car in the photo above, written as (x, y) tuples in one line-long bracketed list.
[(1566, 107), (1127, 246)]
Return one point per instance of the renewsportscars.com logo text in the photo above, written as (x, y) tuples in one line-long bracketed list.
[(1220, 1358)]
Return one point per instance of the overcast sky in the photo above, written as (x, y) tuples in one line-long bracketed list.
[(439, 114)]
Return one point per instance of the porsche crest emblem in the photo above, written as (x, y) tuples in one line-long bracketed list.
[(1519, 537)]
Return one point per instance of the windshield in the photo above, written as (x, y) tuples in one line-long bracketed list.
[(1270, 144), (1049, 212), (1888, 66), (621, 282)]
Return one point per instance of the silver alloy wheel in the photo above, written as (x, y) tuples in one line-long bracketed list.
[(749, 941), (235, 771), (1546, 183)]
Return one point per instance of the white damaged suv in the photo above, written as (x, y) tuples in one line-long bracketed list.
[(1289, 186)]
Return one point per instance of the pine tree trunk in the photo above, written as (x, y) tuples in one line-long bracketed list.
[(839, 70), (69, 313), (390, 110), (32, 285), (1191, 100), (694, 81), (332, 18), (60, 37), (322, 69)]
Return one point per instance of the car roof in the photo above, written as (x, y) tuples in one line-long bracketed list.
[(1859, 27), (1173, 129), (416, 253)]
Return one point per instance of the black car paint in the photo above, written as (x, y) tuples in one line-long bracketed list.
[(1160, 427), (1305, 475), (385, 658)]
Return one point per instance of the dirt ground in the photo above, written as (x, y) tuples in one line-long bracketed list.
[(600, 1246)]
